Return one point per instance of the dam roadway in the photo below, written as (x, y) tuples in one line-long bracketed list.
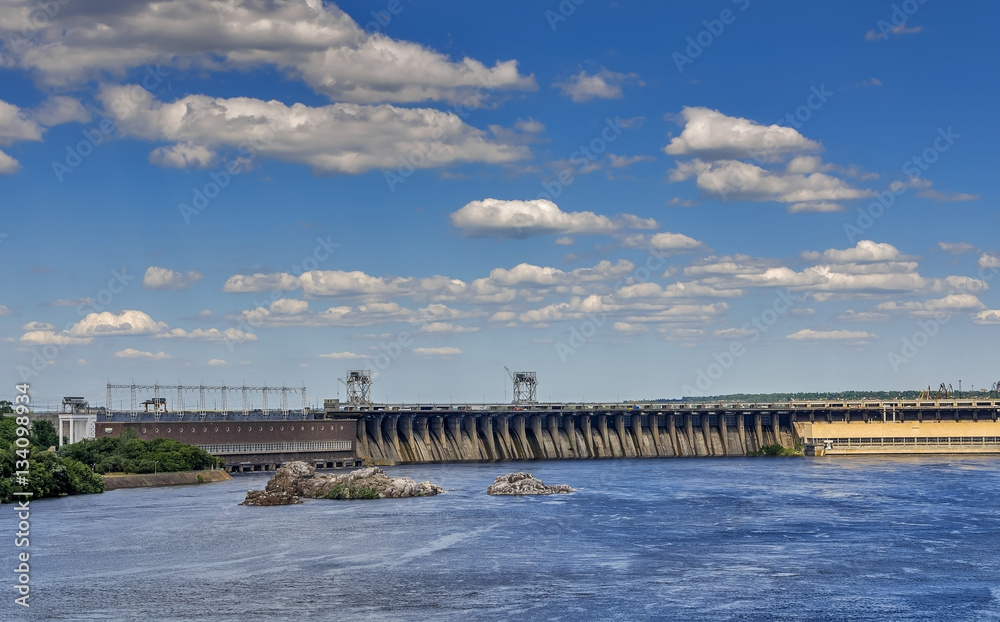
[(345, 435)]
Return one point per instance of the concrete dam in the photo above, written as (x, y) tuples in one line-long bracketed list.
[(414, 437)]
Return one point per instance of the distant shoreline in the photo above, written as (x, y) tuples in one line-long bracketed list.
[(179, 478)]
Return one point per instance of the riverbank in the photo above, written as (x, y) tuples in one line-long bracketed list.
[(144, 480)]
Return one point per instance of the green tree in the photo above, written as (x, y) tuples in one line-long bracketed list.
[(43, 434), (6, 407)]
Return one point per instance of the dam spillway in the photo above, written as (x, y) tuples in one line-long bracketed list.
[(458, 436), (399, 434)]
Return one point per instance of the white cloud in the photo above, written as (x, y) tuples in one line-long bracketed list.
[(630, 329), (732, 179), (930, 308), (733, 333), (884, 31), (808, 334), (164, 278), (665, 242), (447, 327), (529, 126), (182, 155), (38, 326), (216, 362), (565, 241), (957, 248), (711, 135), (851, 315), (619, 161), (441, 351), (344, 356), (312, 41), (336, 138), (211, 334), (5, 310), (8, 165), (988, 316), (989, 260), (288, 306), (46, 337), (863, 251), (128, 322), (60, 109), (521, 219), (604, 84), (132, 353)]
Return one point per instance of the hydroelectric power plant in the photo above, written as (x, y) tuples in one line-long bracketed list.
[(359, 431)]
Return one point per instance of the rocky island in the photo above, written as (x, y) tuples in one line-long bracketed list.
[(297, 480), (524, 484)]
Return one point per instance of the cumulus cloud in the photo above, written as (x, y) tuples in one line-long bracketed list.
[(856, 336), (711, 135), (957, 248), (604, 84), (447, 327), (630, 329), (718, 145), (440, 351), (336, 138), (18, 124), (132, 353), (989, 260), (863, 251), (164, 278), (211, 334), (988, 316), (217, 362), (733, 179), (521, 219), (128, 322), (665, 242), (312, 41), (344, 356), (929, 308)]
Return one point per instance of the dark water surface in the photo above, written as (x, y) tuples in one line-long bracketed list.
[(683, 539)]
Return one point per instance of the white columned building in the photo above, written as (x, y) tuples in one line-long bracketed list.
[(75, 427)]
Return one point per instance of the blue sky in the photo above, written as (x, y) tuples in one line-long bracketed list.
[(632, 199)]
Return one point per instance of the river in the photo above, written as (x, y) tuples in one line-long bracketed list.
[(659, 539)]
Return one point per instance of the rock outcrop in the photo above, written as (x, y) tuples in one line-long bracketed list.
[(524, 484), (264, 497), (298, 479)]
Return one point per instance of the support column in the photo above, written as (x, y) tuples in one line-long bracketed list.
[(637, 430), (672, 432), (553, 425), (741, 427), (724, 432), (454, 426), (689, 430), (602, 428), (776, 425), (654, 426), (522, 437), (485, 424), (627, 449), (363, 437), (588, 439), (706, 431), (759, 429)]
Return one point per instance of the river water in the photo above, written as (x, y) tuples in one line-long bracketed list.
[(668, 539)]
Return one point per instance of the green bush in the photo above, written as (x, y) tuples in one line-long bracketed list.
[(777, 450), (353, 490)]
